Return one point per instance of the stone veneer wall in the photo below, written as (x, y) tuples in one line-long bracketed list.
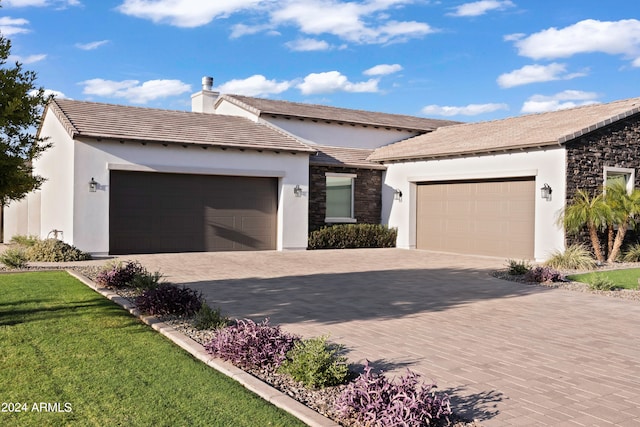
[(367, 194), (617, 145)]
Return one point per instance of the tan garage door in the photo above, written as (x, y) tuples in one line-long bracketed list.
[(488, 217)]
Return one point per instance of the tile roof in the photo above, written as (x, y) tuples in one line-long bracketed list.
[(108, 121), (528, 131), (343, 115), (340, 156)]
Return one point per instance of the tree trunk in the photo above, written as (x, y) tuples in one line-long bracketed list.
[(617, 244), (595, 242), (610, 236)]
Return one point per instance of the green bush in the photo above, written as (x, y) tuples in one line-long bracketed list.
[(349, 236), (144, 280), (316, 363), (518, 268), (208, 318), (24, 240), (632, 254), (575, 257), (54, 250), (14, 258), (602, 283)]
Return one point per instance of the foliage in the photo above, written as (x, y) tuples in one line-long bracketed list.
[(602, 283), (14, 258), (624, 278), (54, 250), (24, 240), (169, 299), (252, 345), (208, 318), (575, 257), (143, 280), (120, 274), (373, 400), (518, 268), (587, 211), (632, 254), (316, 363), (349, 236), (544, 274), (21, 105), (626, 209)]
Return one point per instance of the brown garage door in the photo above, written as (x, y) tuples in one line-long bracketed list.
[(161, 212), (488, 217)]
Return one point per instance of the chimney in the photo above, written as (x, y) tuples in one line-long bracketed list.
[(204, 101)]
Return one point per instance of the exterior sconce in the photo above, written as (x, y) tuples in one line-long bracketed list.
[(93, 185), (397, 194), (297, 191), (545, 192)]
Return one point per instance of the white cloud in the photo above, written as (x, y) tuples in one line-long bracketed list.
[(334, 81), (11, 26), (478, 8), (49, 92), (184, 13), (535, 74), (588, 36), (636, 62), (256, 85), (27, 59), (133, 91), (469, 110), (40, 3), (382, 70), (307, 45), (91, 45), (239, 30), (559, 101)]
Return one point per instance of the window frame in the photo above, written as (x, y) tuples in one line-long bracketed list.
[(350, 219), (615, 171)]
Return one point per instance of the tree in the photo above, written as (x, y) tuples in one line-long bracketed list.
[(592, 212), (21, 105), (625, 208)]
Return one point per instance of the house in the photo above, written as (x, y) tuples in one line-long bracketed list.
[(497, 188), (236, 173)]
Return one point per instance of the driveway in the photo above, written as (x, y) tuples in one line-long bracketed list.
[(511, 354)]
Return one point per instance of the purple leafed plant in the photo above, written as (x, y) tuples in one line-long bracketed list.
[(373, 400), (544, 274), (252, 345), (119, 275), (169, 299)]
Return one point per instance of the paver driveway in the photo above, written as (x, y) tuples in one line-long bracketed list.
[(511, 354)]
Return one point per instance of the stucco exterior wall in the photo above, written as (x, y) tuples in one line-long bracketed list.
[(548, 166), (97, 159)]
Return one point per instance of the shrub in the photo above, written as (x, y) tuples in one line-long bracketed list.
[(169, 299), (518, 268), (144, 280), (544, 274), (208, 318), (120, 274), (14, 258), (252, 345), (373, 400), (316, 363), (54, 250), (575, 257), (348, 236), (601, 283), (24, 240), (632, 254)]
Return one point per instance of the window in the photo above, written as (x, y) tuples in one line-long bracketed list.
[(624, 176), (339, 197)]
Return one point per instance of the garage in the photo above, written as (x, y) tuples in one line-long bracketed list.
[(165, 212), (482, 217)]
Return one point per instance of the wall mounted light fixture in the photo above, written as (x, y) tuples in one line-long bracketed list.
[(297, 190), (545, 192), (93, 185), (397, 194)]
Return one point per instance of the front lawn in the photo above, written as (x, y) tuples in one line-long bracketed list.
[(627, 278), (70, 356)]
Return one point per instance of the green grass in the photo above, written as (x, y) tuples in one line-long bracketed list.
[(627, 278), (62, 342)]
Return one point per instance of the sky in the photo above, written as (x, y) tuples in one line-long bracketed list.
[(458, 60)]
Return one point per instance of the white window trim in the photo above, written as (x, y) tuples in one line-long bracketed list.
[(610, 170), (345, 220)]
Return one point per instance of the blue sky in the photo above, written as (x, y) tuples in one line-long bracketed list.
[(460, 60)]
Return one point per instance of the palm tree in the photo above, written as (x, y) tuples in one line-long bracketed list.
[(592, 212), (625, 208)]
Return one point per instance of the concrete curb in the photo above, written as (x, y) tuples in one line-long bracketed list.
[(265, 391)]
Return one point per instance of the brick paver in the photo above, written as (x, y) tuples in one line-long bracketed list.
[(510, 354)]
